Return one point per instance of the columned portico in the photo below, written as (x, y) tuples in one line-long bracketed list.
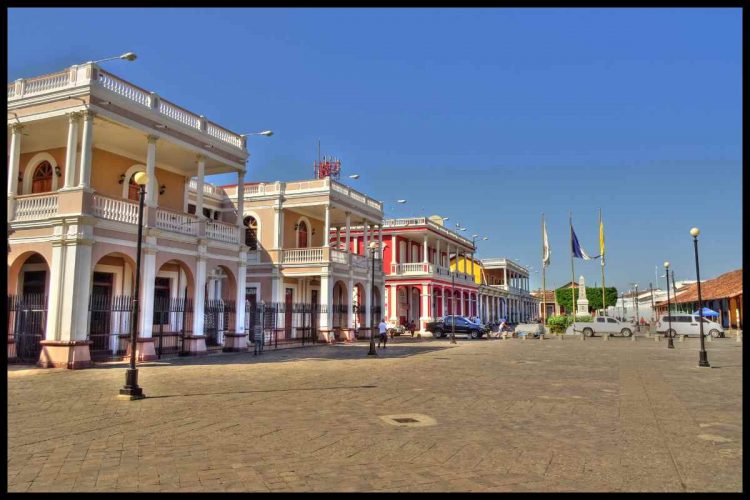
[(15, 159)]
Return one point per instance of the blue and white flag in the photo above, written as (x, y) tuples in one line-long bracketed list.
[(578, 251)]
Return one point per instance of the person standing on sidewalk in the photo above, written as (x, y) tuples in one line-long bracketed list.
[(383, 336)]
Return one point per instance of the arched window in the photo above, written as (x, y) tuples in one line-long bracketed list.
[(302, 234), (251, 232), (42, 180), (133, 189)]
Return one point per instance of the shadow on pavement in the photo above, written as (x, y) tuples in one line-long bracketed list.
[(336, 352), (263, 390)]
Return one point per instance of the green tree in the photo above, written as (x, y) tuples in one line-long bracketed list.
[(593, 295)]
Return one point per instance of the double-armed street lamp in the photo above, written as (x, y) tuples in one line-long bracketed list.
[(670, 343), (127, 56), (703, 356), (131, 390)]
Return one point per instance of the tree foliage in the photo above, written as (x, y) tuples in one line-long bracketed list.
[(593, 295)]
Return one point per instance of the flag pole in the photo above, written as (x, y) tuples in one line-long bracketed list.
[(601, 235), (544, 284), (573, 273)]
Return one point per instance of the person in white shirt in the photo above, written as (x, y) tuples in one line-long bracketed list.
[(383, 330)]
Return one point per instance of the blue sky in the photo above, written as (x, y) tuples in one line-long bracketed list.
[(487, 116)]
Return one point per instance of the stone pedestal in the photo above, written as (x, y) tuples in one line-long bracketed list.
[(144, 349), (324, 334), (73, 354), (582, 308), (235, 342), (195, 345)]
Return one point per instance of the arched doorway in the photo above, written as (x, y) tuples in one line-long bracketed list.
[(219, 309), (133, 189), (111, 306), (359, 300), (172, 317), (415, 306), (41, 182), (27, 306), (302, 239)]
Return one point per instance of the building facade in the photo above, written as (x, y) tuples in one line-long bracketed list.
[(77, 137), (517, 305), (310, 242)]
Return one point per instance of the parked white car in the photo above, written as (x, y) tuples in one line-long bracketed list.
[(687, 324), (602, 325)]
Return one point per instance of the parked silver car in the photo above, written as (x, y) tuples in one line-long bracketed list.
[(688, 324)]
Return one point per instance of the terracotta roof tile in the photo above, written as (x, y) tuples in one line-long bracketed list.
[(725, 286)]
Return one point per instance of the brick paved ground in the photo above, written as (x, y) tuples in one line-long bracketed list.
[(511, 415)]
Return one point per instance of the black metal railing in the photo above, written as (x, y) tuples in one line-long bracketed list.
[(110, 325), (27, 321), (173, 320)]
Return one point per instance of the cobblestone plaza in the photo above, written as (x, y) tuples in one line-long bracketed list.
[(484, 415)]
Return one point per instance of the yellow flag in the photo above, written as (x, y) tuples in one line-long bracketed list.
[(601, 236)]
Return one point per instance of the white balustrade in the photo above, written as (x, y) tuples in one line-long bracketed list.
[(362, 262), (117, 210), (208, 189), (221, 231), (125, 89), (11, 90), (176, 222), (179, 114), (302, 255), (223, 134), (36, 207), (46, 83)]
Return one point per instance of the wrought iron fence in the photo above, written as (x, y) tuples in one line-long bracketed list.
[(219, 318), (173, 320), (27, 321), (110, 319), (280, 324)]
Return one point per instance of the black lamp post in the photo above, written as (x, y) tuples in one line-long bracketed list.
[(703, 356), (670, 343), (372, 352), (453, 304), (131, 390)]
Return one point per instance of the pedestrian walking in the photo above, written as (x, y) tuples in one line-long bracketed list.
[(383, 329), (412, 327)]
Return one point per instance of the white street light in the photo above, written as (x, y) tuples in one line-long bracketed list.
[(265, 133), (127, 56), (354, 176)]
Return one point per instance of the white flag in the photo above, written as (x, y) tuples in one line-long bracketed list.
[(547, 251)]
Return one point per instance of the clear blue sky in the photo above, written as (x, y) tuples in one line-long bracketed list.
[(487, 116)]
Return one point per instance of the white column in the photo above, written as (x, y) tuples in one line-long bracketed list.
[(392, 302), (326, 293), (426, 313), (84, 176), (279, 222), (74, 321), (366, 249), (52, 332), (327, 227), (368, 301), (199, 187), (72, 150), (153, 187), (240, 300), (348, 231), (241, 204), (380, 239), (146, 306), (471, 256), (15, 159), (425, 257), (200, 295), (394, 250)]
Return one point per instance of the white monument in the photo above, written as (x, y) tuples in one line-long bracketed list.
[(582, 304)]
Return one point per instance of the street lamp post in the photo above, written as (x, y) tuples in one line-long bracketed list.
[(637, 316), (453, 303), (127, 56), (131, 390), (670, 343), (703, 356), (371, 352)]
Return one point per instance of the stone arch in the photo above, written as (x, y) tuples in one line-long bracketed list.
[(35, 261), (252, 235), (35, 161), (168, 263), (129, 173)]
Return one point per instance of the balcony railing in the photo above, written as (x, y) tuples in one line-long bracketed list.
[(302, 255), (424, 221), (220, 231), (425, 268), (322, 186), (114, 209), (177, 222), (208, 189), (36, 206), (87, 74), (339, 257)]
